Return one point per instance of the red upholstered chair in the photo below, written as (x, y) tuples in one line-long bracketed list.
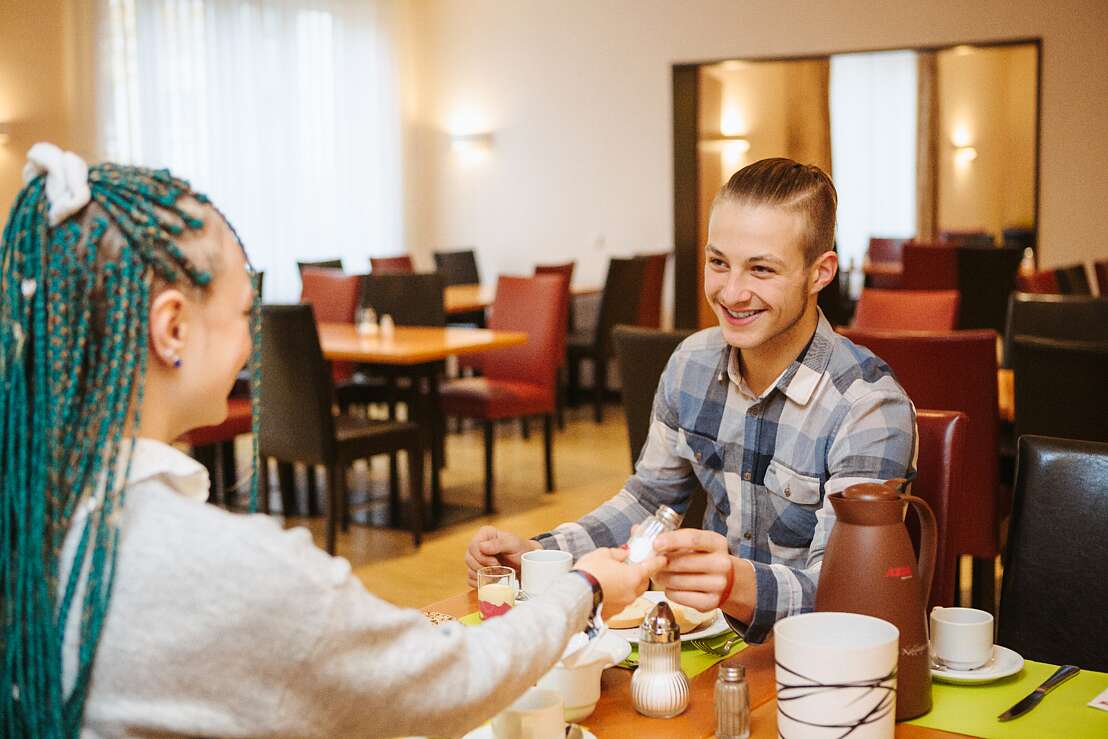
[(939, 469), (906, 310), (885, 251), (566, 271), (214, 447), (1041, 283), (957, 371), (650, 299), (521, 380), (929, 267), (401, 265)]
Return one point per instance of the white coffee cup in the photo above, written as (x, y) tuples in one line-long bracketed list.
[(537, 714), (961, 638), (542, 567)]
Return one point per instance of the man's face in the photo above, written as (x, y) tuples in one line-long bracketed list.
[(755, 276)]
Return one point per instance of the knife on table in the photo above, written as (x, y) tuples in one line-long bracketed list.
[(1063, 673)]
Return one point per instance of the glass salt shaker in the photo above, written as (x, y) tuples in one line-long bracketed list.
[(732, 701), (659, 688), (366, 321), (388, 328), (641, 544)]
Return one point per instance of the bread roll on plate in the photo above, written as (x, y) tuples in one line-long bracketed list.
[(688, 619)]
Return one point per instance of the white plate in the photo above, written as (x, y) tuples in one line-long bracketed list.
[(1004, 662), (485, 732), (715, 628)]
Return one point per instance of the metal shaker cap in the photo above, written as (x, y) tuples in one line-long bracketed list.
[(670, 518), (732, 671), (660, 626)]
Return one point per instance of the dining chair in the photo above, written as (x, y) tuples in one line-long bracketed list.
[(619, 304), (642, 354), (1061, 387), (565, 270), (966, 237), (885, 250), (1019, 237), (297, 422), (986, 277), (957, 371), (321, 264), (1055, 589), (1077, 317), (521, 380), (1073, 280), (1042, 282), (653, 281), (214, 447), (1101, 269), (401, 265), (459, 267), (906, 310), (929, 267), (939, 478)]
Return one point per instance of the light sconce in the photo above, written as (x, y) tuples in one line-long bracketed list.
[(471, 146), (5, 134), (964, 154)]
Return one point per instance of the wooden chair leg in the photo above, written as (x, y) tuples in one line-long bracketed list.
[(262, 471), (415, 491), (490, 435), (599, 386), (287, 482), (548, 448), (394, 488), (333, 508), (340, 485), (314, 507), (525, 426)]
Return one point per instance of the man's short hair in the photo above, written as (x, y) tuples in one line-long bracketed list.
[(802, 188)]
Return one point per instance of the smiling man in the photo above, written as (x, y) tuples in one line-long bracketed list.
[(769, 412)]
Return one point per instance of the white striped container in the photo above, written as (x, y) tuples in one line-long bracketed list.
[(659, 689)]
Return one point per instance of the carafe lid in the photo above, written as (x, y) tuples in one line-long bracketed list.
[(660, 626)]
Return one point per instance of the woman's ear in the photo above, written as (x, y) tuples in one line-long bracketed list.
[(823, 271), (168, 327)]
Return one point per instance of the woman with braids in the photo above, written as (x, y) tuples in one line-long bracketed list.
[(129, 606)]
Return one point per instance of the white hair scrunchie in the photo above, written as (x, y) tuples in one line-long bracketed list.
[(66, 179)]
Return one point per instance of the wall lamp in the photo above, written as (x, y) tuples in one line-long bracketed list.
[(964, 154), (471, 143)]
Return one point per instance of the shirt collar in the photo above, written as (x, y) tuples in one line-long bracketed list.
[(799, 380), (182, 473)]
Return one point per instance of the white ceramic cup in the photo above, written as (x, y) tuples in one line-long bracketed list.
[(537, 714), (542, 567), (856, 652), (961, 638)]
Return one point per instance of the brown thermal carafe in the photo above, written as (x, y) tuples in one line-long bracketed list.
[(869, 567)]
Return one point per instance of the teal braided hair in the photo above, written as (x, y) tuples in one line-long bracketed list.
[(74, 311)]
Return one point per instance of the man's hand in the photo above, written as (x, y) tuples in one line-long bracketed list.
[(621, 582), (491, 546), (702, 573)]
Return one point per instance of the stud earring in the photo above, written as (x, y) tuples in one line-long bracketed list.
[(176, 363)]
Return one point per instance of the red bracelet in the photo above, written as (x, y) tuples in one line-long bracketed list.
[(730, 584)]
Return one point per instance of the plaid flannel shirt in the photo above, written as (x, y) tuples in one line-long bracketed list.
[(836, 416)]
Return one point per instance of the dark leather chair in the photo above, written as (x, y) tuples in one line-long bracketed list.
[(986, 277), (460, 268), (619, 304), (906, 310), (566, 271), (642, 354), (957, 371), (1078, 317), (653, 280), (929, 267), (411, 299), (1061, 387), (519, 381), (1054, 596), (1073, 280), (322, 264), (401, 265), (1101, 269), (939, 478), (883, 250), (297, 422), (214, 447)]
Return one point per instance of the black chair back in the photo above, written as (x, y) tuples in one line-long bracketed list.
[(986, 277), (1073, 280), (1060, 387), (411, 299), (458, 267), (1055, 590), (643, 354), (620, 302), (323, 264), (1079, 317), (295, 421)]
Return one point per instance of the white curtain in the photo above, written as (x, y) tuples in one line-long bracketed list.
[(873, 148), (285, 112)]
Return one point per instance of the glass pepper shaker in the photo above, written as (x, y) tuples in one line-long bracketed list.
[(641, 545), (659, 688), (732, 701)]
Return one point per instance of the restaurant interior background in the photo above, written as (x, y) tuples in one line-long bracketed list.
[(545, 131)]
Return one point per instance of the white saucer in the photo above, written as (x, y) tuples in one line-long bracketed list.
[(1004, 662), (485, 732), (717, 627)]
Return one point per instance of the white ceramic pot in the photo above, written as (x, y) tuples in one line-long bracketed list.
[(579, 686)]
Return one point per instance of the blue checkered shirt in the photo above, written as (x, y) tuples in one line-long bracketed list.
[(836, 416)]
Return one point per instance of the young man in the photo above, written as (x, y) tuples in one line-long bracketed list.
[(769, 412)]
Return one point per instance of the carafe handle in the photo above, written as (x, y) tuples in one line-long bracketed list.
[(927, 542)]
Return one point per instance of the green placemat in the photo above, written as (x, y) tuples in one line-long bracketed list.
[(693, 661), (972, 709)]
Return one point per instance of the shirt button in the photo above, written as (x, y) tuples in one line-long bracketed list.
[(747, 476), (788, 492), (755, 410), (748, 536), (698, 456)]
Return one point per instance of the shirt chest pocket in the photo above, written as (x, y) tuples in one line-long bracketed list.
[(700, 450), (792, 486), (795, 499)]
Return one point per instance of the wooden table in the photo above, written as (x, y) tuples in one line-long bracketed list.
[(417, 352), (469, 298), (615, 717)]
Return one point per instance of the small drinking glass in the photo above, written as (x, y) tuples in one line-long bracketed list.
[(496, 590)]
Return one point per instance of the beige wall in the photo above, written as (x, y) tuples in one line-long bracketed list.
[(578, 94), (987, 99)]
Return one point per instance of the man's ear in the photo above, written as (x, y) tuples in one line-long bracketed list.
[(822, 271), (168, 326)]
